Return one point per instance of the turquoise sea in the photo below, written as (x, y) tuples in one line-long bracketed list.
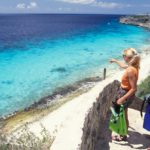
[(40, 53)]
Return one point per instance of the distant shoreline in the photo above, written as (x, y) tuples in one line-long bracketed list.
[(137, 20)]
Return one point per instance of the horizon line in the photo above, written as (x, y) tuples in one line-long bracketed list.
[(24, 13)]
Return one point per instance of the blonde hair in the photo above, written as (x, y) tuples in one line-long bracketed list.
[(134, 56)]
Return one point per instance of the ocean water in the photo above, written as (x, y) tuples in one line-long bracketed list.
[(39, 53)]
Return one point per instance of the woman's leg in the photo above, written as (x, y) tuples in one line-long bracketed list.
[(126, 116), (120, 137)]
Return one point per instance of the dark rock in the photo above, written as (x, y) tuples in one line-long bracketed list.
[(96, 134), (59, 69), (137, 103), (7, 82), (138, 20)]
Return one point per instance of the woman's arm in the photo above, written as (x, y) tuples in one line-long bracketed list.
[(119, 63), (133, 83)]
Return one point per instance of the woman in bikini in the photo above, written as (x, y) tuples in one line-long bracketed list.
[(129, 80)]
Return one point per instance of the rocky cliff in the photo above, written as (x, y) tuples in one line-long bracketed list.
[(96, 134), (139, 20)]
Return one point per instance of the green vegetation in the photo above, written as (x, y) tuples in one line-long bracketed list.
[(144, 88)]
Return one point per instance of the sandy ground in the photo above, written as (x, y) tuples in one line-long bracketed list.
[(66, 123), (68, 120)]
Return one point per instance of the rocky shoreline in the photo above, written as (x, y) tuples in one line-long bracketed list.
[(84, 84), (138, 20), (60, 94)]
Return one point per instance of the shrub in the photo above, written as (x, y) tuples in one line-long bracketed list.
[(144, 88), (26, 140)]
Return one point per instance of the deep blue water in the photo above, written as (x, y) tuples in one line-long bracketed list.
[(39, 53), (16, 28)]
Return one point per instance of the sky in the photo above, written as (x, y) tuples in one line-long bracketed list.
[(76, 6)]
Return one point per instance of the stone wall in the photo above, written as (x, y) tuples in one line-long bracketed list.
[(96, 135)]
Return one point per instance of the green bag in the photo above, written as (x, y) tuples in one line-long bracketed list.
[(117, 122)]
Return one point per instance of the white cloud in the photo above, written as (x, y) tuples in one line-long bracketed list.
[(31, 5), (96, 3), (78, 1), (21, 6), (106, 4)]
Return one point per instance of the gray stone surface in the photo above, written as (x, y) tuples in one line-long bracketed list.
[(96, 134)]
